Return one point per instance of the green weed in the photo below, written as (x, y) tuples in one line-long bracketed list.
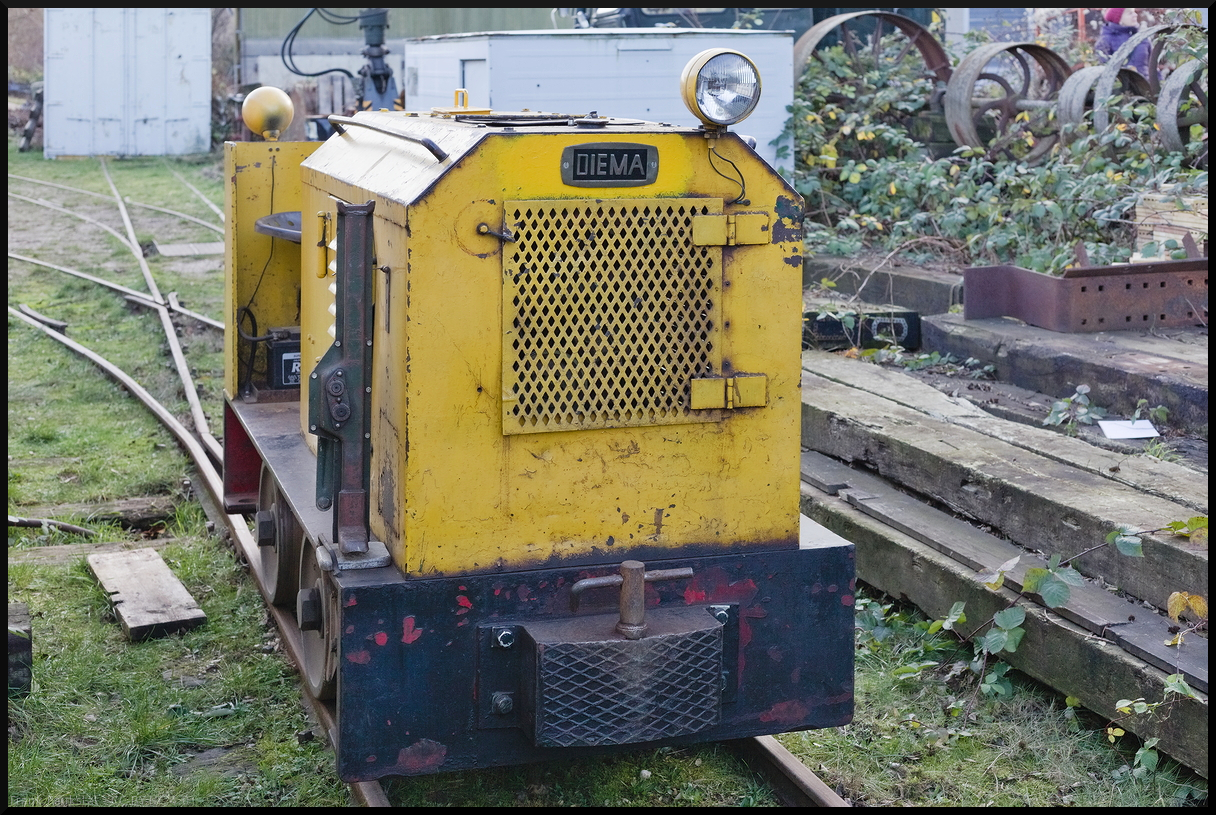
[(868, 183), (918, 738)]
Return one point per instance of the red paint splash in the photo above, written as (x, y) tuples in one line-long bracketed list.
[(381, 638), (715, 585), (691, 596), (352, 601), (421, 756), (846, 600), (785, 712), (409, 633), (359, 657), (464, 603)]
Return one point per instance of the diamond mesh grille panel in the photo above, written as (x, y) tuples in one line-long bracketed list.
[(624, 692), (608, 311)]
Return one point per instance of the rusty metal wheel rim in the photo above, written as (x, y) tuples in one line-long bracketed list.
[(1079, 94), (937, 63), (1043, 73), (279, 559), (1106, 81), (1187, 82), (319, 648)]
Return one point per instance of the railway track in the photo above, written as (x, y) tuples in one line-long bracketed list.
[(792, 782)]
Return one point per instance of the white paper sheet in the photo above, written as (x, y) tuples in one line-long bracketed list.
[(1126, 429)]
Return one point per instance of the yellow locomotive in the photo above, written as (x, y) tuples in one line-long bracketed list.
[(521, 435)]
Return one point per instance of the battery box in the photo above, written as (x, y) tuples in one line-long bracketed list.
[(283, 359)]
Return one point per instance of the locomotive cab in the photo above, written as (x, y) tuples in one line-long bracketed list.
[(533, 485)]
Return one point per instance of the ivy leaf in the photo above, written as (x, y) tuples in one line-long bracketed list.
[(1054, 591), (994, 640), (1015, 637), (1070, 576), (1175, 683), (1009, 618)]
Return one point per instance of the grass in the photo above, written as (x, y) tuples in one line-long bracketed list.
[(700, 776), (115, 723), (922, 736), (60, 404)]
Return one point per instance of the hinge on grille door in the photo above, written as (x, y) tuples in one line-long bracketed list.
[(744, 390), (730, 230)]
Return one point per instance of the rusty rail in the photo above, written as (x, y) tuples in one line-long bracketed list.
[(792, 782), (367, 793)]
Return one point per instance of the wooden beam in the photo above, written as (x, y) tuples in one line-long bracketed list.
[(148, 599)]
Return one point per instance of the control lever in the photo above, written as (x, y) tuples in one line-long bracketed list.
[(632, 580)]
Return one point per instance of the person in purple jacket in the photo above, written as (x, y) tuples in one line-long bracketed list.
[(1121, 24)]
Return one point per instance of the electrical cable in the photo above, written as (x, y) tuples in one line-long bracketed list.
[(246, 309), (289, 41), (713, 151)]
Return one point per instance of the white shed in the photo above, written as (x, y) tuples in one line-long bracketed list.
[(625, 73), (127, 81)]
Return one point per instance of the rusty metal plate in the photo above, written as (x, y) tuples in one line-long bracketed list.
[(1092, 298)]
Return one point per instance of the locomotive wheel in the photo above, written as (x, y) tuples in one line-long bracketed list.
[(1002, 97), (1183, 102), (1078, 97), (1160, 37), (319, 617), (278, 534), (935, 61)]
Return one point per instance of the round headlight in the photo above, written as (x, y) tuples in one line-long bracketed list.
[(720, 86), (267, 111)]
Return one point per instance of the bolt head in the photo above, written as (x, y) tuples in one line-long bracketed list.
[(308, 609), (264, 523)]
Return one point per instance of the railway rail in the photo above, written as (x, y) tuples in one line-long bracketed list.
[(792, 782)]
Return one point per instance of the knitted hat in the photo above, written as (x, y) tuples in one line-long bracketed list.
[(1114, 15)]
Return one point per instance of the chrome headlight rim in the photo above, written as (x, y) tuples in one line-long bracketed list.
[(704, 100)]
